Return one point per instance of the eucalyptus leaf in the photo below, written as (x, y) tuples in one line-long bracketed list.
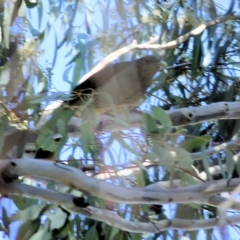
[(206, 164), (43, 232), (195, 142), (91, 234), (150, 125), (28, 229), (230, 163), (160, 115), (113, 233), (58, 219)]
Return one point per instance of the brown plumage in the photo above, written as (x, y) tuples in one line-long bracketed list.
[(118, 84)]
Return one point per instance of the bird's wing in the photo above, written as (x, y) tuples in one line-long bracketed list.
[(96, 81), (101, 77), (124, 88)]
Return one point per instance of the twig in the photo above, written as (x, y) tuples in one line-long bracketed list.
[(114, 55), (149, 45)]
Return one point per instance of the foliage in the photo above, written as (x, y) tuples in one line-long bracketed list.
[(76, 35)]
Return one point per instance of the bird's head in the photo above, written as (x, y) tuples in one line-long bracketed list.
[(152, 61), (148, 66)]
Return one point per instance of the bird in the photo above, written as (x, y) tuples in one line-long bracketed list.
[(117, 85)]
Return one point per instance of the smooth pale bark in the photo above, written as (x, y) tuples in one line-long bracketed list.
[(179, 117), (76, 179), (111, 217)]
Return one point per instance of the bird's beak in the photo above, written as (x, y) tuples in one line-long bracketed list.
[(162, 65)]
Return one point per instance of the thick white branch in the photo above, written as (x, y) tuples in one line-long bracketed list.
[(213, 111), (110, 217), (231, 145), (76, 179), (179, 117)]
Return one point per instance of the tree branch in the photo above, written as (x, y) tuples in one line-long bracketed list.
[(150, 46), (76, 179), (111, 217)]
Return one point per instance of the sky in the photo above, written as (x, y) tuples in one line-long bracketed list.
[(62, 86), (49, 45)]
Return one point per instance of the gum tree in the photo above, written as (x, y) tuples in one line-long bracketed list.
[(158, 172)]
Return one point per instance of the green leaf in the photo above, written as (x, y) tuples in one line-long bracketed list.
[(160, 115), (185, 162), (22, 202), (207, 58), (28, 229), (206, 163), (55, 52), (196, 56), (22, 10), (30, 213), (238, 166), (71, 236), (2, 138), (222, 168), (121, 9), (40, 13), (195, 142), (75, 56), (58, 219), (140, 177), (165, 156), (77, 69), (88, 19), (6, 220), (229, 163), (61, 124), (88, 139), (45, 139), (140, 165), (182, 89), (91, 234), (66, 74), (125, 145), (7, 16), (113, 233), (105, 15), (136, 236), (4, 76), (43, 232), (150, 125)]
